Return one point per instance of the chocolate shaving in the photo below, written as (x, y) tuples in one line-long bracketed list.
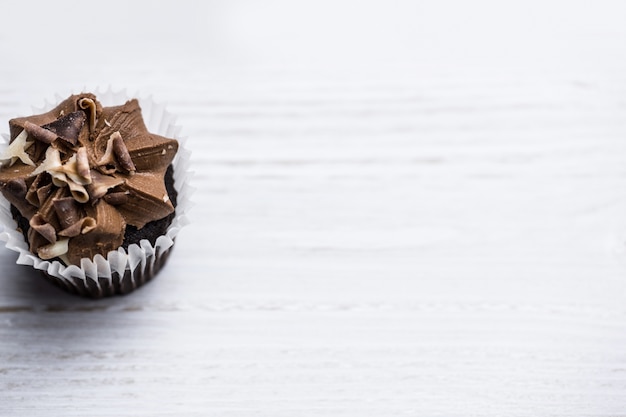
[(68, 127), (17, 187), (67, 211), (116, 199), (39, 133), (82, 163)]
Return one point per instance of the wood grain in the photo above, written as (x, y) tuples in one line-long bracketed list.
[(393, 231)]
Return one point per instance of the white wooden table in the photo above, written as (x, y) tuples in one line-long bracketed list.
[(402, 209)]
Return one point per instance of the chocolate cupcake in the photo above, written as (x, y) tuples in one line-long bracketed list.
[(95, 195)]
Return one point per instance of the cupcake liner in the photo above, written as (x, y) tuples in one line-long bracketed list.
[(122, 271)]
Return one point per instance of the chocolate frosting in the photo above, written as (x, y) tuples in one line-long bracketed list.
[(81, 173)]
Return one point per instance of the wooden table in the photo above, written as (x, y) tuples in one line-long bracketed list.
[(402, 209)]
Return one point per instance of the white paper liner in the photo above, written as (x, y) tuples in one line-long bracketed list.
[(121, 271)]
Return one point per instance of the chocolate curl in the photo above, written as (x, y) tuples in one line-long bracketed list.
[(39, 133), (78, 191), (47, 210), (68, 127), (82, 226), (121, 152), (35, 240), (43, 193), (90, 106), (16, 187), (116, 199), (32, 195), (67, 211), (116, 151), (39, 191), (39, 224)]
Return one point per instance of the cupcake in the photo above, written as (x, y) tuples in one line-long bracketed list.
[(93, 195)]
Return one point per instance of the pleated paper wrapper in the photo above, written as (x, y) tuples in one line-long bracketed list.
[(122, 271)]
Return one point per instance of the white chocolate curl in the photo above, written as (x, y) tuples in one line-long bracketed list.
[(17, 150), (74, 173), (51, 163), (77, 167), (60, 247)]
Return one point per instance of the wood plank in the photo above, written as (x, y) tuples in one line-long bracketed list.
[(430, 225)]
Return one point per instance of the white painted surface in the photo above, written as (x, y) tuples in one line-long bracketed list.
[(403, 208)]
